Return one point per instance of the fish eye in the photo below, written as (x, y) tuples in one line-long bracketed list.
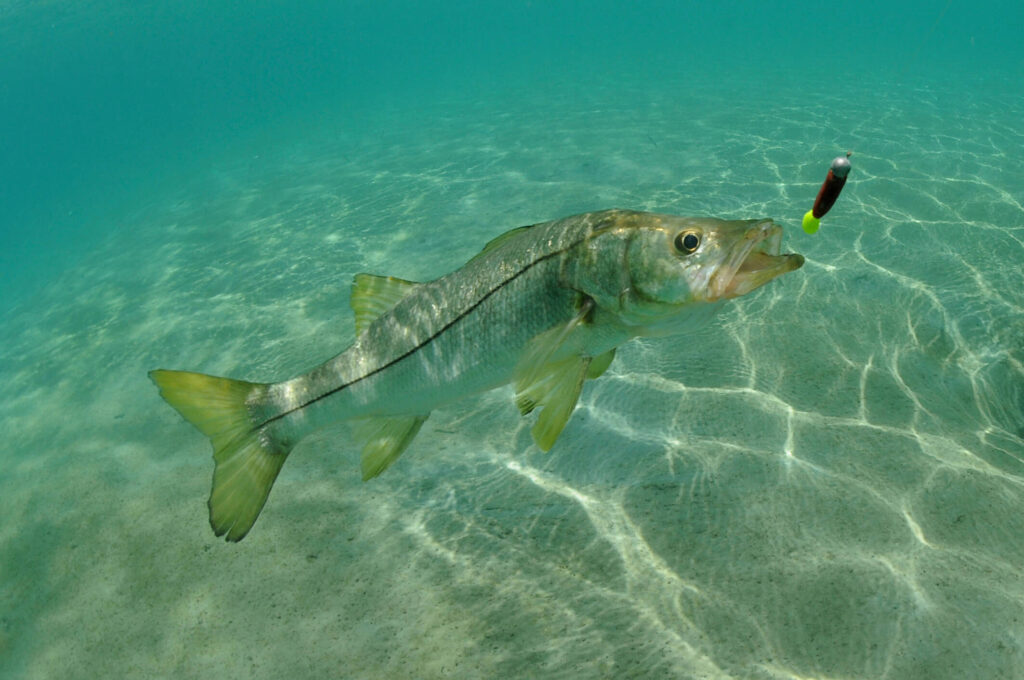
[(686, 242)]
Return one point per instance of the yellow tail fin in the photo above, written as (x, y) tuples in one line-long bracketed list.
[(247, 457)]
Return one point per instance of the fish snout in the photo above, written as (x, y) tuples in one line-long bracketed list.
[(754, 261), (768, 233)]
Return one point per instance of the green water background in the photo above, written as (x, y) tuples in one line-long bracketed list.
[(826, 483)]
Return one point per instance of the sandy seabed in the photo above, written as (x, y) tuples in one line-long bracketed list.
[(827, 482)]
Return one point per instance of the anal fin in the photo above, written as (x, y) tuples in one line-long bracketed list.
[(386, 439)]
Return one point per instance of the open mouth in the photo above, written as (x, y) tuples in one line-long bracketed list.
[(753, 262)]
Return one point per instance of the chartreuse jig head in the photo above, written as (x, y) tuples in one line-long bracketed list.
[(828, 193)]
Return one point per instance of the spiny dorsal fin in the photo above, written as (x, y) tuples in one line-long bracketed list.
[(373, 295), (497, 241), (386, 439)]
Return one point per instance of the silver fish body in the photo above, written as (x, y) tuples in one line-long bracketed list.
[(543, 307)]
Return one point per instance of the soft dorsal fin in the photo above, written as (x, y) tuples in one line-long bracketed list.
[(498, 240), (373, 295)]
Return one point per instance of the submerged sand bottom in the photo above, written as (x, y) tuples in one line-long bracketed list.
[(828, 482)]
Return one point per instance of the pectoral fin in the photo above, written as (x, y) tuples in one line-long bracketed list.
[(386, 439)]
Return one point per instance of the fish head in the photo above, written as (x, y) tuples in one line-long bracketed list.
[(679, 264)]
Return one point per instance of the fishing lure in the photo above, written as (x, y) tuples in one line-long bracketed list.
[(828, 193)]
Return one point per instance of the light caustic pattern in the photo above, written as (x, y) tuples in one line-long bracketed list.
[(828, 482)]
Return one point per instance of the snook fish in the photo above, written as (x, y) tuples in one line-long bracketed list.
[(543, 307)]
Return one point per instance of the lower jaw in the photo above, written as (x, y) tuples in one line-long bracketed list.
[(757, 270)]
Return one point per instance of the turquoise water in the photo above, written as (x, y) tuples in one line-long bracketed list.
[(828, 482)]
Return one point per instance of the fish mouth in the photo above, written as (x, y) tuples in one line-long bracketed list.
[(753, 262)]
